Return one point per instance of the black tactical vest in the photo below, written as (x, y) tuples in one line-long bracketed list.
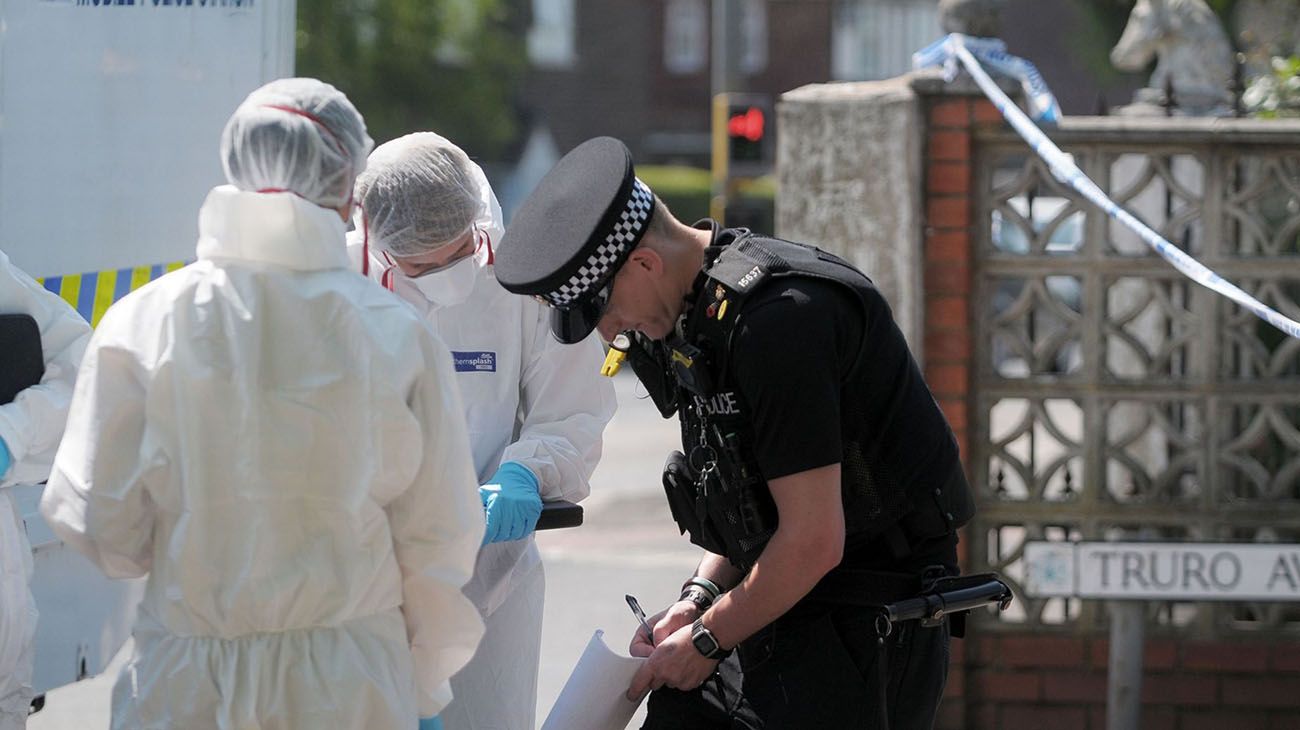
[(901, 475)]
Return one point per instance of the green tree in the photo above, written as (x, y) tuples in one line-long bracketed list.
[(1277, 93), (450, 66), (1223, 8)]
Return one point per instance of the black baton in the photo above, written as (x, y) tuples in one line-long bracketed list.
[(936, 605)]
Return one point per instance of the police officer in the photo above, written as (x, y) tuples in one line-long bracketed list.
[(816, 469)]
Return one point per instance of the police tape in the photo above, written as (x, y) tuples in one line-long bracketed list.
[(1063, 169), (992, 52), (91, 294)]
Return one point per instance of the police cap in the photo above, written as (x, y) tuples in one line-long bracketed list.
[(567, 240)]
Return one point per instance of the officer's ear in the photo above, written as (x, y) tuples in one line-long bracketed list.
[(646, 259)]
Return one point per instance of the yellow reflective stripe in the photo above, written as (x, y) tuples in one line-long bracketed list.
[(173, 266), (70, 289), (140, 276), (104, 290)]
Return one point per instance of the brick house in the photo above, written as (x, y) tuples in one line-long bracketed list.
[(640, 69)]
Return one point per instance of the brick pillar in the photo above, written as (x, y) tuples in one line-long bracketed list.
[(947, 319), (948, 244), (947, 262), (949, 256)]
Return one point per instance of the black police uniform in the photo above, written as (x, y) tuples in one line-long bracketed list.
[(796, 363), (787, 359)]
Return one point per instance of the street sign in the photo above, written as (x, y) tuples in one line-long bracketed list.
[(1177, 571)]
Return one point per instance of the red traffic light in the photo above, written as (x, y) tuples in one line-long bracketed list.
[(747, 124)]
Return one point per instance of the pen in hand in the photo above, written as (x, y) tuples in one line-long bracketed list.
[(640, 617)]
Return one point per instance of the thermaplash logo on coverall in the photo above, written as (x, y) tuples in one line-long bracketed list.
[(475, 362)]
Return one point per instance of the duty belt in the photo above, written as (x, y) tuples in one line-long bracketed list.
[(930, 598)]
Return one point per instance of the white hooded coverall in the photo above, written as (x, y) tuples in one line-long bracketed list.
[(31, 427), (278, 443), (527, 399)]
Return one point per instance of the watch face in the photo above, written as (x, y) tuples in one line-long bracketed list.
[(703, 640)]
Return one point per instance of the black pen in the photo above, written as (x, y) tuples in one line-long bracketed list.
[(640, 616)]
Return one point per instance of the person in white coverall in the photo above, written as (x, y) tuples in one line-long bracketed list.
[(536, 409), (279, 444), (30, 428)]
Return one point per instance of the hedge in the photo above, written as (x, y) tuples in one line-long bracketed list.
[(686, 190)]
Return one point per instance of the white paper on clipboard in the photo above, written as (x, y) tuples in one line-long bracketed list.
[(594, 697)]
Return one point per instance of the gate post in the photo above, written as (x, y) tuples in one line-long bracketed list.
[(1124, 678)]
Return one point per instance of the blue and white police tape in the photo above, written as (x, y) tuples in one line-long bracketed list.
[(993, 53), (955, 48)]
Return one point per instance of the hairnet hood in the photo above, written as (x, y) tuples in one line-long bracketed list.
[(418, 193), (296, 135)]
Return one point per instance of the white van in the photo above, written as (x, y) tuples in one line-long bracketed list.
[(111, 115)]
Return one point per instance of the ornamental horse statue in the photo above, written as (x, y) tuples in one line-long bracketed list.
[(1193, 55)]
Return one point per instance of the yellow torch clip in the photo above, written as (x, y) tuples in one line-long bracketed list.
[(616, 355)]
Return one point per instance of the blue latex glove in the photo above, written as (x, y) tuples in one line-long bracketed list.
[(512, 503), (431, 723), (5, 458)]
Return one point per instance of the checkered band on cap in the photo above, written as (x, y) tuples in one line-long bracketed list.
[(625, 233)]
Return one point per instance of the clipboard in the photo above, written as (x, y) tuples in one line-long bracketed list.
[(559, 514), (22, 363), (593, 697)]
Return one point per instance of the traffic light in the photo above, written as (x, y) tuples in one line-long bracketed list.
[(746, 127), (742, 143), (746, 124)]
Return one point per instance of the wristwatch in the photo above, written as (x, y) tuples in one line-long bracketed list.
[(706, 643)]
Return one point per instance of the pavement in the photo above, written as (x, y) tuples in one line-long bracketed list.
[(628, 544)]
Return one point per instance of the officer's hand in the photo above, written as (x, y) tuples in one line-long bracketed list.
[(664, 623), (675, 663)]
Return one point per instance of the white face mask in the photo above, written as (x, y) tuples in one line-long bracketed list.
[(451, 285)]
